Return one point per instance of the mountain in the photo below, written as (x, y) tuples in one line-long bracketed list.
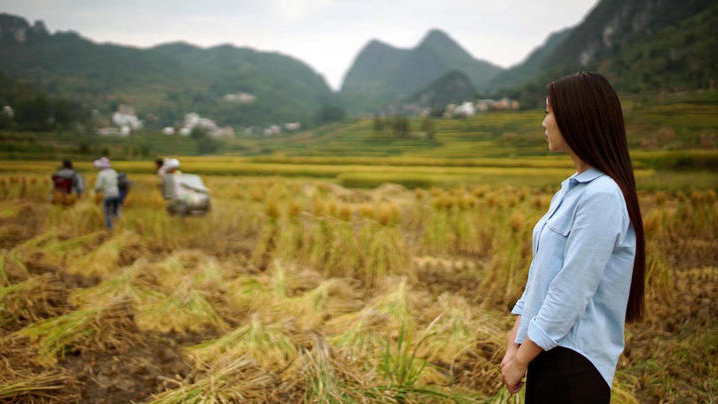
[(164, 82), (639, 45), (672, 56), (531, 65), (453, 87), (382, 74), (26, 109), (365, 82), (613, 24)]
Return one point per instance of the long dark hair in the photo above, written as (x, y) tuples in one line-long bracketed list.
[(589, 116)]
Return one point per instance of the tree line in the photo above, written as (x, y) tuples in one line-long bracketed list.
[(24, 108), (400, 125)]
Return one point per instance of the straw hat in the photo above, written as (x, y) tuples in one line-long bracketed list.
[(170, 164), (101, 163)]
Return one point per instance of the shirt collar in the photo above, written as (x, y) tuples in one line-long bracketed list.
[(584, 177), (588, 175)]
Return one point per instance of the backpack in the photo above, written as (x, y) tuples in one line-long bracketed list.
[(123, 184), (60, 184), (62, 191)]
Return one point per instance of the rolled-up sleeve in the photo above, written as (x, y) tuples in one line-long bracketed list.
[(596, 228), (519, 306)]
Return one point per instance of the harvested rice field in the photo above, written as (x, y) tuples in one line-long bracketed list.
[(302, 290)]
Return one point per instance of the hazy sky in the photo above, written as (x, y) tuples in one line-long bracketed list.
[(326, 34)]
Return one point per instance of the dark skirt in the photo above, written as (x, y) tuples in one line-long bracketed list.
[(562, 375)]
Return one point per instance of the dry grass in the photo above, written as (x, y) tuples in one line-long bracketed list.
[(268, 345), (237, 381), (104, 326), (298, 290)]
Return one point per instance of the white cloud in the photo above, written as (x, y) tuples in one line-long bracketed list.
[(296, 9)]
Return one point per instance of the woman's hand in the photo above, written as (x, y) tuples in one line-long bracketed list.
[(512, 374), (511, 349), (511, 345)]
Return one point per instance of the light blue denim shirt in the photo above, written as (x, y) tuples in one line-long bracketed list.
[(580, 276)]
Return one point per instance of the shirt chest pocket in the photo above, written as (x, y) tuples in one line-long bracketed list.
[(561, 223), (552, 246)]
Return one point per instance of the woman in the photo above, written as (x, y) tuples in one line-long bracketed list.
[(586, 277), (107, 184)]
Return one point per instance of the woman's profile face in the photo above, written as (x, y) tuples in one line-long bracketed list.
[(552, 133)]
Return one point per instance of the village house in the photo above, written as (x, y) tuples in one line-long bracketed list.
[(290, 126), (194, 121), (225, 131), (113, 131), (468, 108), (483, 105), (502, 104), (465, 109), (8, 111), (126, 119), (240, 98), (272, 130)]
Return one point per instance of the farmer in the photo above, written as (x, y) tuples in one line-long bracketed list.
[(185, 193), (107, 184), (65, 182), (170, 178), (159, 167)]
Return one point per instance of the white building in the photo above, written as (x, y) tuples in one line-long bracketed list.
[(484, 104), (226, 131), (191, 120), (111, 131), (465, 109), (449, 111), (504, 103), (240, 98), (292, 126), (125, 116), (8, 111), (272, 130), (194, 121)]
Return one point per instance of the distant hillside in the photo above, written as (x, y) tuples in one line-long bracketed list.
[(453, 87), (641, 46), (166, 81), (382, 74), (26, 109), (531, 65)]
